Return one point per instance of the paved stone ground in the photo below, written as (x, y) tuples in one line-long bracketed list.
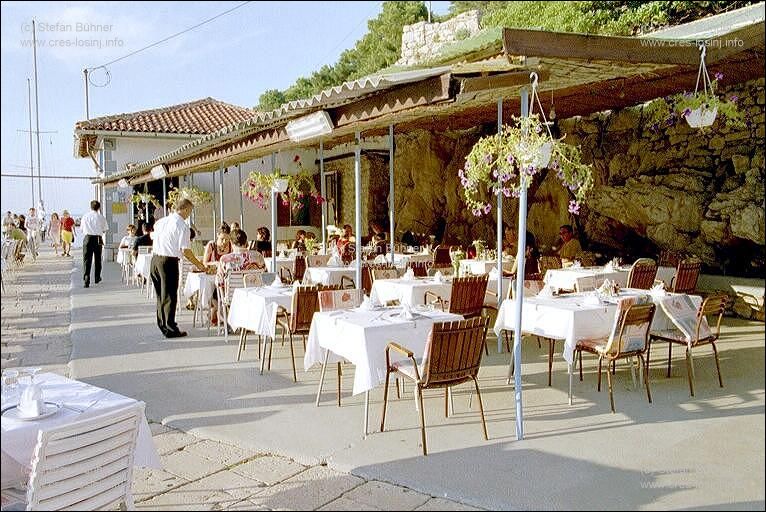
[(197, 474)]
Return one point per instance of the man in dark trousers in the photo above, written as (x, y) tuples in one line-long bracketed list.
[(93, 226), (171, 242)]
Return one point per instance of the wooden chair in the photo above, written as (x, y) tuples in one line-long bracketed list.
[(234, 279), (286, 275), (687, 273), (367, 274), (642, 274), (452, 356), (305, 303), (384, 273), (421, 268), (467, 297), (299, 267), (347, 283), (546, 263), (629, 337), (333, 300), (442, 256), (84, 465), (715, 306)]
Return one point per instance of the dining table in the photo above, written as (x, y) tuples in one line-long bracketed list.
[(589, 278), (330, 275), (412, 291), (480, 267), (75, 400), (361, 335)]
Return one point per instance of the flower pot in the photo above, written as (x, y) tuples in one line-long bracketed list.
[(544, 158), (280, 186), (699, 118)]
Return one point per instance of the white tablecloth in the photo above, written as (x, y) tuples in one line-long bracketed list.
[(480, 267), (123, 255), (412, 292), (568, 318), (403, 259), (200, 282), (361, 338), (19, 438), (588, 278), (143, 265), (255, 309), (330, 275)]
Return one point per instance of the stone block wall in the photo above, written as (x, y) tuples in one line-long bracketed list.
[(422, 40)]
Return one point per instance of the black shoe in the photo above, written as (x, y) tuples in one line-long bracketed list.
[(176, 334), (87, 284), (98, 281)]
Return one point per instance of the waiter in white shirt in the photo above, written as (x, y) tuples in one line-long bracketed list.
[(93, 226), (171, 242)]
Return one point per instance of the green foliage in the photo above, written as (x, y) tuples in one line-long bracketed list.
[(463, 33), (379, 48)]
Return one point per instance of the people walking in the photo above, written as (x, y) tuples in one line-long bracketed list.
[(171, 242), (33, 229), (93, 226), (67, 233), (54, 231)]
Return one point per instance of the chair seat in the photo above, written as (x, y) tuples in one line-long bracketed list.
[(676, 336), (596, 345), (405, 367)]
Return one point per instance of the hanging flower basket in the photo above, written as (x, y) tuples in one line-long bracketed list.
[(142, 197), (700, 117), (194, 194), (258, 187), (505, 162)]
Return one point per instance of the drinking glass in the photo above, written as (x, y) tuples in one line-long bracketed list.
[(10, 384)]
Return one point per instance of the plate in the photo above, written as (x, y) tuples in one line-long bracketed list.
[(13, 412)]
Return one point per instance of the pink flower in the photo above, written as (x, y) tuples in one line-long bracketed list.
[(574, 207), (718, 75), (487, 208), (507, 192)]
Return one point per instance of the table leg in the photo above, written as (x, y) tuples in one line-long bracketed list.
[(263, 359), (366, 412), (570, 366), (321, 377)]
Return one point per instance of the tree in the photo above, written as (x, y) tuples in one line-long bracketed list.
[(271, 99)]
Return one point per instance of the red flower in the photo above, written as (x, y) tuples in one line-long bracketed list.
[(296, 158)]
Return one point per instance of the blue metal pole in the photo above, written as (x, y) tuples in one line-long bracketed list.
[(519, 302)]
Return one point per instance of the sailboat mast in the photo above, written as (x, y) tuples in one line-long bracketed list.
[(37, 117), (31, 158)]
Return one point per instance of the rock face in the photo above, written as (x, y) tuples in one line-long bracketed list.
[(676, 188)]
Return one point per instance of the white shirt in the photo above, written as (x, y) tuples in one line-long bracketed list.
[(171, 236), (32, 223), (93, 224)]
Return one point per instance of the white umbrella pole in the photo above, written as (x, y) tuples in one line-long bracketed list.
[(323, 193), (391, 202), (519, 302), (220, 192), (215, 224), (241, 206), (358, 207), (273, 219)]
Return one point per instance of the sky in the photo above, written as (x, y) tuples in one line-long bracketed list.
[(259, 46)]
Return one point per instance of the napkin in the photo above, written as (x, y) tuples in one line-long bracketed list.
[(576, 264), (407, 312), (296, 284), (277, 283), (546, 292), (592, 299), (31, 402), (366, 304), (334, 261), (409, 275), (493, 274), (658, 290), (438, 277), (609, 267)]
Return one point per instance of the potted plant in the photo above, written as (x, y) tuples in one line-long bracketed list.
[(258, 187), (194, 194), (142, 197), (507, 161), (455, 258), (481, 246)]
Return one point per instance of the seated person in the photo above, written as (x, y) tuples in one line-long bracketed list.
[(130, 237), (300, 241), (530, 259), (312, 236), (510, 240), (239, 259), (380, 244), (143, 240), (218, 247), (263, 241), (570, 247), (346, 243)]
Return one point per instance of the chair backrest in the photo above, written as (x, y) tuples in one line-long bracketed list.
[(630, 330), (286, 275), (299, 267), (669, 258), (252, 278), (468, 295), (268, 277), (642, 274), (305, 303), (421, 268), (347, 282), (442, 256), (547, 263), (144, 249), (367, 274), (453, 352), (531, 288), (86, 465), (714, 305), (330, 300), (317, 260), (240, 279), (384, 273), (687, 273)]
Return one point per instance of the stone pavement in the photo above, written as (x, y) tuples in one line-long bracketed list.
[(197, 474)]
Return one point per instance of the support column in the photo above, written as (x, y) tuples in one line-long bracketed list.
[(358, 208), (241, 206), (391, 199), (273, 219), (165, 195), (220, 192), (215, 224), (323, 193), (499, 224)]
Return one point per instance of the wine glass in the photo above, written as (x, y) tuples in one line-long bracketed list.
[(10, 383)]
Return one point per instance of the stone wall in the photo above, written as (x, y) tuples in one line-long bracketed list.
[(423, 40)]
